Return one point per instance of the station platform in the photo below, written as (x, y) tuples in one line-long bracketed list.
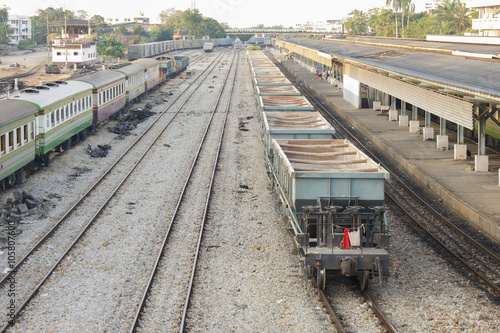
[(474, 195)]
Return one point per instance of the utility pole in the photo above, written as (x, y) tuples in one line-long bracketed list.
[(48, 47)]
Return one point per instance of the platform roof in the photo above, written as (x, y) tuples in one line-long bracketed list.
[(469, 77)]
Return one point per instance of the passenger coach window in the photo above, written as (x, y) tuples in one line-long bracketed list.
[(25, 134), (2, 144), (11, 140), (19, 138), (52, 118), (32, 126)]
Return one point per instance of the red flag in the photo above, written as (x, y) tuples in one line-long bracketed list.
[(345, 244)]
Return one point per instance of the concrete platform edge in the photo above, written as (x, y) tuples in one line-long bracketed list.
[(481, 221)]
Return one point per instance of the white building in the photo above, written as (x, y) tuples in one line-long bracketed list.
[(75, 44), (431, 6), (488, 22), (335, 26), (21, 26)]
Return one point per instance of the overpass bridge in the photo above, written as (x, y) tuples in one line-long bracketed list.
[(277, 31)]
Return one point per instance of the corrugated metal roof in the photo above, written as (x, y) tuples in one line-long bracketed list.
[(131, 69), (102, 78), (46, 97), (470, 74), (148, 63), (13, 109)]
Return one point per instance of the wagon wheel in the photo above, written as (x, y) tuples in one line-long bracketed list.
[(363, 280), (321, 278)]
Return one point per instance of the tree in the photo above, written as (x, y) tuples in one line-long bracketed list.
[(396, 6), (161, 33), (97, 18), (407, 8), (214, 28), (81, 14), (258, 26), (5, 30), (456, 14), (171, 18), (357, 23), (380, 22), (110, 46), (25, 44), (39, 22), (192, 21), (121, 30), (138, 29)]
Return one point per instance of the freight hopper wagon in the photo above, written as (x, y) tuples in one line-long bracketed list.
[(332, 197), (294, 125)]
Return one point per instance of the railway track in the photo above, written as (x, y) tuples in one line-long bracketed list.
[(52, 248), (185, 230), (475, 257), (327, 295)]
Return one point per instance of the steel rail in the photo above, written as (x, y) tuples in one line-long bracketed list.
[(101, 208), (380, 315), (329, 308), (450, 224), (159, 256), (209, 194)]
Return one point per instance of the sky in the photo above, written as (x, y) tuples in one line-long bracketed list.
[(237, 13)]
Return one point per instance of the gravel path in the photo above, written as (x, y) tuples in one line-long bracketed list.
[(247, 279)]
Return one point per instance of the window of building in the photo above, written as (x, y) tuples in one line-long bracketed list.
[(75, 53), (58, 53)]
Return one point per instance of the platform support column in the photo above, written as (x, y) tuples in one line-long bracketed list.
[(481, 135), (386, 99), (427, 119), (377, 95), (414, 112), (481, 160), (442, 126), (394, 103), (403, 108), (460, 149), (460, 134), (442, 138)]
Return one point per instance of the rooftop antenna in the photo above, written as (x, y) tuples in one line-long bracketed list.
[(193, 4)]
